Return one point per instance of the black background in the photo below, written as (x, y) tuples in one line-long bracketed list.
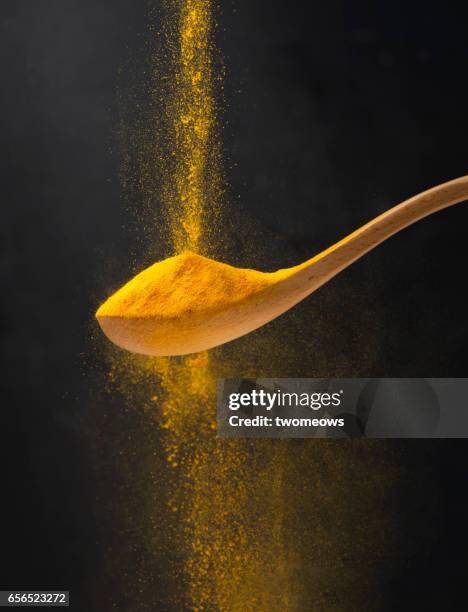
[(336, 111)]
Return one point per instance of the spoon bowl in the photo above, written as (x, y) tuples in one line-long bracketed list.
[(189, 303)]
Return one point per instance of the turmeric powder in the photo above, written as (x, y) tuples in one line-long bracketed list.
[(178, 306), (192, 119)]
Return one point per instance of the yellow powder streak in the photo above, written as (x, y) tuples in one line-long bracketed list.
[(193, 121), (232, 561)]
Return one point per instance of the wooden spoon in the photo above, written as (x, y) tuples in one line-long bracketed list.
[(190, 303)]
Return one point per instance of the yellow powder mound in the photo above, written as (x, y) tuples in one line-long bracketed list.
[(186, 304), (181, 285)]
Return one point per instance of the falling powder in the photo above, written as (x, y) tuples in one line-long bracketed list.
[(225, 565), (191, 114), (233, 531), (228, 560)]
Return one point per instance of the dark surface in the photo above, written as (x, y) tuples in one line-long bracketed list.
[(337, 111)]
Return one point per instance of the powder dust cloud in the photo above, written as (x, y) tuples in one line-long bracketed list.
[(201, 523)]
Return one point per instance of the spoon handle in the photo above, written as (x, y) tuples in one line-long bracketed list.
[(318, 270)]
